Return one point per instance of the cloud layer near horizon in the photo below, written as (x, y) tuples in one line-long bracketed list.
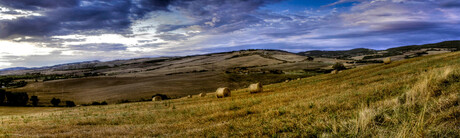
[(76, 30)]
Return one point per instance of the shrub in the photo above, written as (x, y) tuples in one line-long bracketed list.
[(34, 100), (95, 103), (55, 102), (104, 103), (338, 66), (124, 101), (69, 104)]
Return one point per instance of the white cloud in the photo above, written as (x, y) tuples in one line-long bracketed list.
[(22, 49), (17, 13)]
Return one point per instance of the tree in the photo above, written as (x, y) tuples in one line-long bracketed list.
[(17, 98), (69, 104), (34, 100), (338, 66), (2, 96), (55, 102)]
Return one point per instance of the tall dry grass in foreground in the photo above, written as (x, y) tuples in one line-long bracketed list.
[(412, 98)]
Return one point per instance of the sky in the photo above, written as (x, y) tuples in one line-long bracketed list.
[(36, 33)]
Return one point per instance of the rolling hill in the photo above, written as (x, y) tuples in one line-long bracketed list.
[(138, 79), (417, 97), (396, 53)]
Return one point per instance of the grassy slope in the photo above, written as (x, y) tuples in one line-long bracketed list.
[(411, 98)]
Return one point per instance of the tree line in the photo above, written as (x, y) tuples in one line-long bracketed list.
[(22, 99)]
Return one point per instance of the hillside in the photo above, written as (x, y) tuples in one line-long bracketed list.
[(417, 97), (396, 53), (138, 79), (341, 54)]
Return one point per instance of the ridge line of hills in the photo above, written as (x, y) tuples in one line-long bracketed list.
[(135, 79), (453, 45)]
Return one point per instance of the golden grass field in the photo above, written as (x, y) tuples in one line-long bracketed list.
[(418, 97)]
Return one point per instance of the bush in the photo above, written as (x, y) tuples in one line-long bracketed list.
[(104, 103), (17, 98), (34, 100), (69, 104), (55, 102), (124, 101), (95, 103), (338, 66)]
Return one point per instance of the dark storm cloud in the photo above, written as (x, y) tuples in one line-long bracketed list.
[(407, 26), (74, 17), (146, 6), (213, 17), (450, 4), (168, 27), (63, 17), (218, 16), (38, 4), (99, 47)]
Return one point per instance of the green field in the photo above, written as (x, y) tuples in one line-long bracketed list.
[(417, 97)]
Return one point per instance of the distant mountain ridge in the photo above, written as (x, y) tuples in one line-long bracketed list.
[(14, 68), (346, 54), (341, 54)]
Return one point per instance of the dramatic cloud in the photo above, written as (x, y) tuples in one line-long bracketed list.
[(100, 29), (38, 4), (75, 17)]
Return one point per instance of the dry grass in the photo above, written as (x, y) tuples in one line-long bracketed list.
[(411, 98)]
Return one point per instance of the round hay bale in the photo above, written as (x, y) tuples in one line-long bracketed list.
[(286, 81), (157, 98), (334, 72), (255, 88), (189, 96), (387, 60), (223, 92), (202, 94)]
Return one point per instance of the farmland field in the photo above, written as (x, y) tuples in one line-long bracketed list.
[(418, 97)]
